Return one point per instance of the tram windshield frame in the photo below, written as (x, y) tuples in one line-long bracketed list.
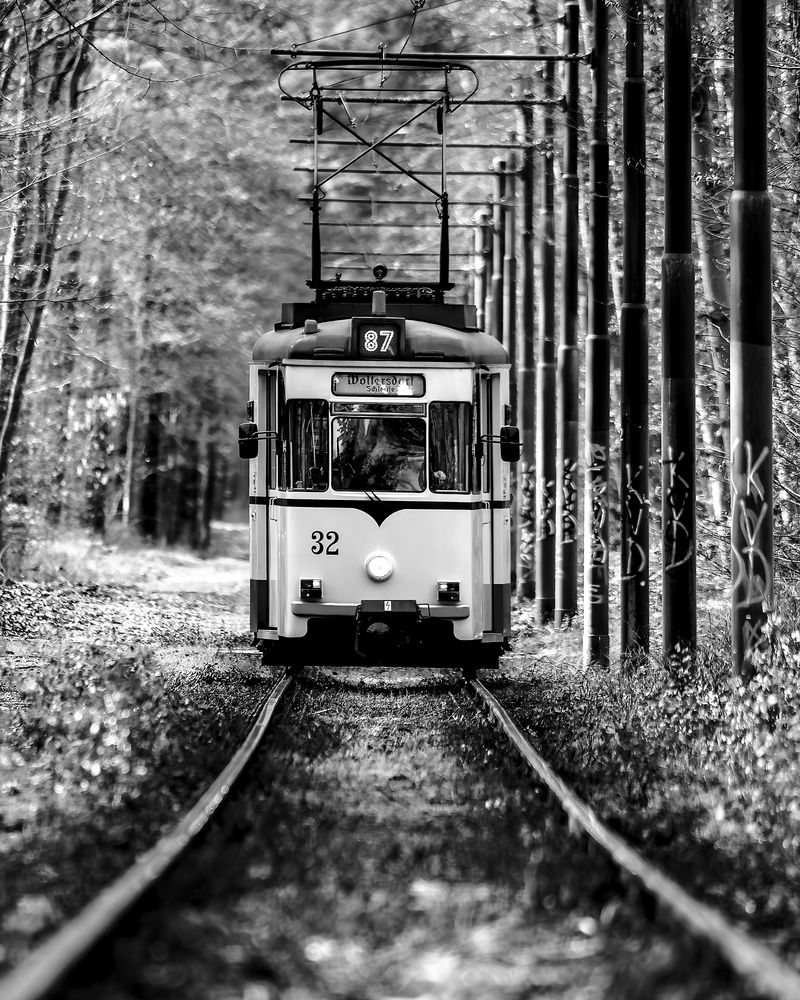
[(379, 448)]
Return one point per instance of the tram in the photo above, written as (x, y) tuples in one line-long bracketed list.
[(379, 437)]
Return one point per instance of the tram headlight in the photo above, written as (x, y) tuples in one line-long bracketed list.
[(379, 566)]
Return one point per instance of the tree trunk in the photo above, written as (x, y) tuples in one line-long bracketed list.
[(36, 222)]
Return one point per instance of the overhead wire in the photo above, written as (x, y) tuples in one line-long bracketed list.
[(373, 24), (417, 7)]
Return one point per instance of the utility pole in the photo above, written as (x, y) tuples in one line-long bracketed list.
[(546, 377), (509, 338), (598, 361), (568, 355), (751, 342), (510, 275), (495, 318), (678, 343), (488, 242), (526, 398), (481, 257), (634, 458)]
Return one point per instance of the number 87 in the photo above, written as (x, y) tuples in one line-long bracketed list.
[(381, 341)]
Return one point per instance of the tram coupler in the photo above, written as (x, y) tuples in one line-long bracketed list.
[(383, 626)]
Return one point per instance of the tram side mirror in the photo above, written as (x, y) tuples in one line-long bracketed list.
[(510, 446), (248, 442)]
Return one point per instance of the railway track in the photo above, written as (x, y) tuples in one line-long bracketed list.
[(766, 973), (763, 972), (48, 966)]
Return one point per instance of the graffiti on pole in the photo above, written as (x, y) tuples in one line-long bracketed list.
[(678, 543), (597, 464), (569, 501), (753, 583), (527, 525), (546, 522), (636, 558)]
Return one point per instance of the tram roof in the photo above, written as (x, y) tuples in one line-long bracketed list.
[(440, 334)]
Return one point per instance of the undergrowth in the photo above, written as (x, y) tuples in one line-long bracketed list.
[(689, 738), (91, 720)]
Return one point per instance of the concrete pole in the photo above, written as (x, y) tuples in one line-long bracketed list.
[(598, 364), (678, 343), (634, 445), (568, 353)]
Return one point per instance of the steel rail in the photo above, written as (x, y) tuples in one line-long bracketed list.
[(750, 959), (38, 974)]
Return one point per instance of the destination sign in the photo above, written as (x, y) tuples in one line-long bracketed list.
[(377, 384)]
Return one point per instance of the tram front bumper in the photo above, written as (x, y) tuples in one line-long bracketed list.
[(316, 609)]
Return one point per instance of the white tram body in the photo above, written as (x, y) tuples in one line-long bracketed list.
[(379, 490)]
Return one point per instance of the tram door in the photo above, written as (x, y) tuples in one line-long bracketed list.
[(268, 406), (488, 386)]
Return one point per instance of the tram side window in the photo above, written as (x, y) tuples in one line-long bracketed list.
[(450, 432), (308, 449)]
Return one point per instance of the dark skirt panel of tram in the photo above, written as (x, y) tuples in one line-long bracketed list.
[(425, 642)]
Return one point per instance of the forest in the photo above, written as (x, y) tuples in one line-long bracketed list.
[(152, 228), (155, 216)]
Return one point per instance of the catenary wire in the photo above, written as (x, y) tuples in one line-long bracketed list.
[(373, 24)]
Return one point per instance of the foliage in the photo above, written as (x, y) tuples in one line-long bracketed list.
[(94, 718), (104, 741), (670, 738), (148, 309), (179, 239)]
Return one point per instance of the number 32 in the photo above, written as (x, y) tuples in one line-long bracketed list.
[(319, 539)]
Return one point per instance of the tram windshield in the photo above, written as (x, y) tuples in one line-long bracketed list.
[(308, 450), (379, 453)]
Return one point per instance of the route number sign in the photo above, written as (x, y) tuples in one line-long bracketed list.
[(377, 340)]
